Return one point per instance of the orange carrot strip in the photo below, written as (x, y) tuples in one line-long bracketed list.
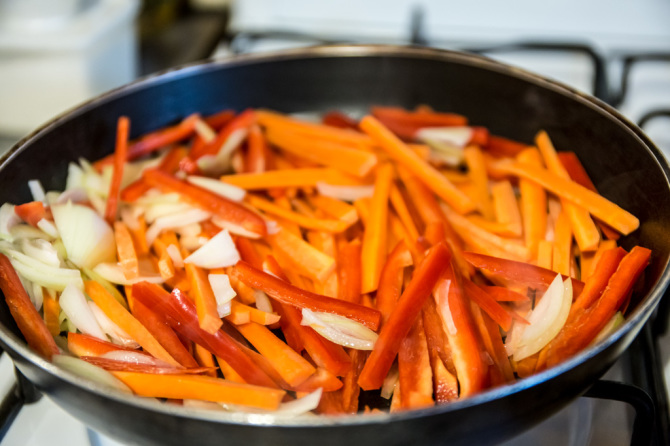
[(584, 229), (51, 311), (23, 311), (219, 206), (139, 235), (229, 373), (415, 373), (590, 260), (203, 388), (533, 203), (502, 229), (350, 388), (403, 212), (309, 260), (506, 208), (125, 249), (323, 379), (205, 359), (319, 224), (562, 244), (31, 212), (430, 176), (335, 208), (255, 315), (256, 160), (291, 178), (373, 251), (120, 316), (477, 173), (350, 160), (391, 279), (120, 155), (292, 367), (545, 254), (599, 206), (349, 270), (203, 296), (401, 320)]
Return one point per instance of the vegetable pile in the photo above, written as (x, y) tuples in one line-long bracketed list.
[(260, 262)]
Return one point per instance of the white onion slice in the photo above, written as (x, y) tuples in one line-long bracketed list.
[(223, 293), (218, 252), (446, 153), (345, 193), (89, 371), (25, 231), (546, 320), (218, 187), (609, 328), (191, 243), (87, 237), (116, 333), (37, 296), (8, 219), (263, 301), (175, 221), (154, 196), (156, 211), (191, 230), (130, 216), (391, 380), (297, 407), (43, 274), (48, 227), (75, 177), (113, 273), (175, 256), (340, 330), (204, 130), (73, 303), (75, 195), (41, 250), (37, 191), (233, 228), (456, 136), (135, 358)]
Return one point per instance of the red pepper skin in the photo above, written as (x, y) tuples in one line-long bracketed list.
[(288, 294), (114, 365), (390, 280), (488, 304), (339, 120), (80, 344), (405, 313), (31, 212), (242, 121)]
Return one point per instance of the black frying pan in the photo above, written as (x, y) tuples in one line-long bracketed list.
[(623, 163)]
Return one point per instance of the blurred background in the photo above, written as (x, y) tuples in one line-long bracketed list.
[(55, 54)]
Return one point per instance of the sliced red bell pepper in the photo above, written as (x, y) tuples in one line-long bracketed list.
[(488, 304), (339, 120), (597, 282), (169, 164), (414, 370), (87, 345), (503, 147), (24, 312), (120, 156), (519, 272), (225, 209), (435, 335), (403, 316), (391, 279), (242, 121), (161, 138), (323, 379), (220, 119), (31, 212), (350, 388), (180, 313), (113, 365), (502, 294), (291, 295)]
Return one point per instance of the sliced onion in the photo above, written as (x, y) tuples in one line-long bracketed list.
[(346, 193), (218, 187), (609, 328), (164, 209), (272, 227), (175, 221), (200, 404), (546, 320), (43, 274), (113, 273), (340, 330), (99, 204), (87, 237), (75, 195), (37, 296), (75, 177), (37, 191), (48, 227), (204, 130), (175, 256), (446, 153), (8, 219), (192, 243), (135, 358), (299, 406), (263, 301), (233, 228), (192, 230), (25, 231), (223, 293), (89, 371), (154, 196), (116, 333), (441, 293), (456, 136), (41, 250), (218, 252), (73, 302), (391, 380)]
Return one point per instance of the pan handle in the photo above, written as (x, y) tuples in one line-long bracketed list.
[(22, 392)]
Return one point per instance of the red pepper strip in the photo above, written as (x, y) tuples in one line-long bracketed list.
[(291, 295), (501, 370), (480, 136), (403, 316), (435, 335), (465, 343), (597, 282), (339, 120), (86, 345), (219, 206), (113, 365), (420, 118), (578, 175), (26, 316), (415, 373), (120, 155), (31, 212), (323, 379), (248, 252), (180, 313), (349, 271), (502, 294), (169, 164), (391, 280), (577, 335), (330, 404), (165, 336), (519, 272), (488, 304), (256, 159), (218, 120), (350, 388), (242, 121), (503, 147)]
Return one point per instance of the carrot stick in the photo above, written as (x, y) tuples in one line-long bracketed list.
[(205, 303), (430, 176), (125, 250), (229, 373), (401, 320), (323, 379), (291, 178), (599, 206), (255, 315), (219, 206), (345, 158), (319, 224), (205, 359), (120, 155), (477, 173), (349, 271), (203, 388), (590, 260), (415, 373), (584, 229), (310, 261), (51, 311), (403, 212), (335, 208), (506, 208), (350, 388), (597, 282), (533, 203), (292, 367), (139, 235), (373, 250), (391, 279), (562, 244), (545, 254), (120, 316), (31, 212), (256, 161)]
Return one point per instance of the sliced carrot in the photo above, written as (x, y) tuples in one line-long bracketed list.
[(415, 373), (533, 203), (597, 282), (427, 174), (350, 389), (506, 207), (31, 212), (23, 311), (139, 235), (120, 316), (229, 373), (590, 260), (321, 379), (349, 270), (125, 250), (120, 156), (562, 244), (545, 254), (292, 367), (51, 311), (205, 359), (319, 224), (403, 212), (291, 178), (203, 388), (255, 315), (203, 296), (477, 174), (335, 208), (310, 261), (373, 250)]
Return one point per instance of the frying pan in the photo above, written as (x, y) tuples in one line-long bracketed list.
[(623, 163)]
